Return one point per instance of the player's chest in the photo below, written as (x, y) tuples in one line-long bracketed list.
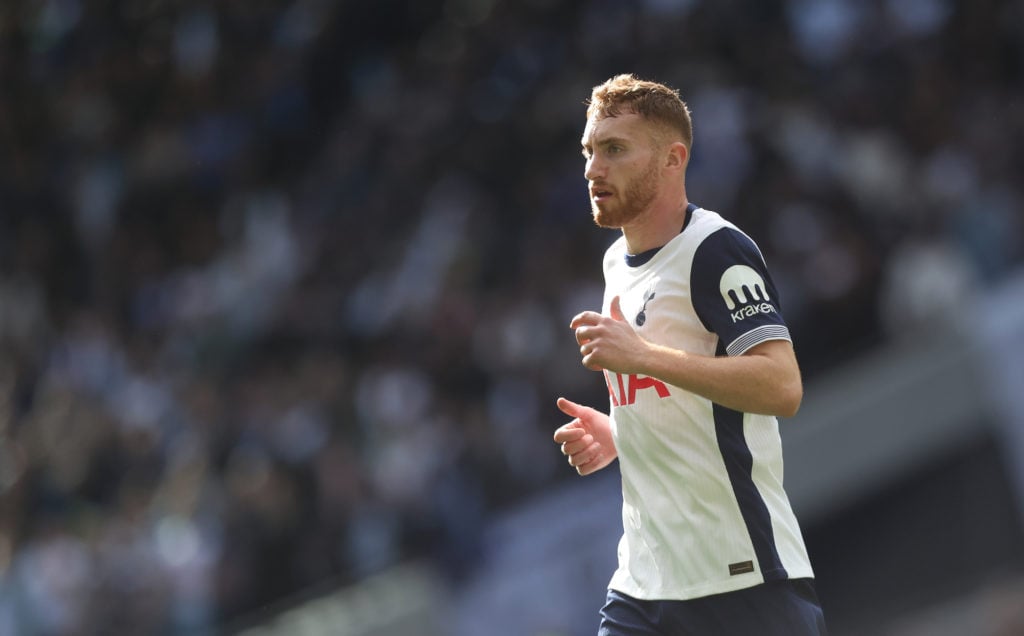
[(658, 306)]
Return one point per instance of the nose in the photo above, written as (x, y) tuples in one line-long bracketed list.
[(593, 169)]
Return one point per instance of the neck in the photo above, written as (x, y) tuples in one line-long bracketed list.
[(656, 227)]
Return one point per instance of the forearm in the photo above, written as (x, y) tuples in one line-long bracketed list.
[(765, 380)]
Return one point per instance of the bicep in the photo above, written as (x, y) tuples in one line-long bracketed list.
[(778, 352), (779, 374)]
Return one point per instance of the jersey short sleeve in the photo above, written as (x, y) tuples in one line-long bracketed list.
[(732, 293)]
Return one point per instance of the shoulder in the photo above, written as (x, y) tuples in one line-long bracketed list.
[(707, 221), (732, 290), (723, 243)]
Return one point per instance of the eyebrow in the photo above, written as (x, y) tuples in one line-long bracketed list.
[(604, 142)]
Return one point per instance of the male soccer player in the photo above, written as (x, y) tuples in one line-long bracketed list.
[(699, 363)]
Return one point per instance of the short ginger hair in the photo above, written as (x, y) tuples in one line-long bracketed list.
[(653, 101)]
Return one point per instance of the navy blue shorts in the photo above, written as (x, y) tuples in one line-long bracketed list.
[(777, 608)]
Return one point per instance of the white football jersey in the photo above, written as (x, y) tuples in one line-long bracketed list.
[(703, 510)]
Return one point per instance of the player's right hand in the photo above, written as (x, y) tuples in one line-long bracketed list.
[(586, 441)]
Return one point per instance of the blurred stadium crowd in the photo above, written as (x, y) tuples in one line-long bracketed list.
[(285, 284)]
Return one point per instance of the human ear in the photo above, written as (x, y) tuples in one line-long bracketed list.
[(678, 154)]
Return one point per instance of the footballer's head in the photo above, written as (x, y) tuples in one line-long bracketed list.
[(637, 144)]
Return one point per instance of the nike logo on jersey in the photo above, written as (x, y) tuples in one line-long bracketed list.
[(741, 286)]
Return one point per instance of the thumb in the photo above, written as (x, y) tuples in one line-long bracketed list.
[(616, 310), (569, 407)]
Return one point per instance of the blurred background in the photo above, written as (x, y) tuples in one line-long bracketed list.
[(285, 287)]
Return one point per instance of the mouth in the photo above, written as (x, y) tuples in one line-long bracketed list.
[(600, 194)]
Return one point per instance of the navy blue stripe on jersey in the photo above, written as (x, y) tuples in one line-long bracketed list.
[(739, 463), (732, 292)]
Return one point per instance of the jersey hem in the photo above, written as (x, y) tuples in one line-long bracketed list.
[(699, 591), (688, 593)]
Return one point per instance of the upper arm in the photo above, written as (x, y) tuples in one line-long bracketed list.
[(734, 295), (785, 382), (779, 352)]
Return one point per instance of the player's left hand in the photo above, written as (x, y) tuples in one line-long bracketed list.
[(608, 342), (586, 441)]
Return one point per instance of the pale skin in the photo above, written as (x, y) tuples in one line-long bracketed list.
[(765, 379)]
